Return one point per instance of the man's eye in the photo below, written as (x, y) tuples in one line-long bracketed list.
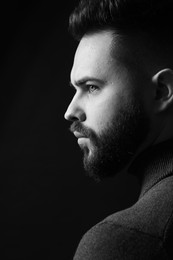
[(92, 88)]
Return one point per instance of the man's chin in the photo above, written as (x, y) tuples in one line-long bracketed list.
[(98, 169)]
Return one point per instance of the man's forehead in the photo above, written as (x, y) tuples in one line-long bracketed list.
[(94, 54)]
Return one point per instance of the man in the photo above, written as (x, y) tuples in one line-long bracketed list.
[(122, 116)]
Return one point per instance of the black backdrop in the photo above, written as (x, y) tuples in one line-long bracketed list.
[(47, 202)]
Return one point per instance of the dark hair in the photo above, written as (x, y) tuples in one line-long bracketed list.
[(124, 16)]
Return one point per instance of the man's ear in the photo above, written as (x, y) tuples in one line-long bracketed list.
[(163, 82)]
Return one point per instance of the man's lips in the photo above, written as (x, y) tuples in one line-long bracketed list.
[(79, 135)]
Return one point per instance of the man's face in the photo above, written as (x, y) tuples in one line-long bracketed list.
[(108, 108)]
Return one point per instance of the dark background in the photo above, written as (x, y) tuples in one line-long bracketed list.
[(47, 202)]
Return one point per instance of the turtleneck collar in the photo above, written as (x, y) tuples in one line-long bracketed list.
[(153, 165)]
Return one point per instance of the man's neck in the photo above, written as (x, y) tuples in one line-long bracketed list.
[(153, 164)]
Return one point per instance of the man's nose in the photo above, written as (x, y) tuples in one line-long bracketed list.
[(75, 112)]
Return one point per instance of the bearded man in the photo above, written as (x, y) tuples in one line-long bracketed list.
[(122, 116)]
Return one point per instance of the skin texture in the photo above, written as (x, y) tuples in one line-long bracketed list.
[(113, 104)]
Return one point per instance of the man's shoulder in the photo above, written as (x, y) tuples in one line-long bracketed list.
[(151, 214), (110, 239), (141, 231)]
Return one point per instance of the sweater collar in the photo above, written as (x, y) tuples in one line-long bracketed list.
[(153, 165)]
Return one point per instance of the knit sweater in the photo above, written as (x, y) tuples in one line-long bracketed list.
[(145, 230)]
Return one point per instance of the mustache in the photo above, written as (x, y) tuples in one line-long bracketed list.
[(78, 127)]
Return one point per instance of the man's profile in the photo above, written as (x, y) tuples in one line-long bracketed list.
[(122, 116)]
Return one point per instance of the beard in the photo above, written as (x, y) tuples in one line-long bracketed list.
[(114, 148)]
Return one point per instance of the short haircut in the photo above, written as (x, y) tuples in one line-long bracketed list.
[(154, 17)]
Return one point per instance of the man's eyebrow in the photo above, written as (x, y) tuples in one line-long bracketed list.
[(83, 81)]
